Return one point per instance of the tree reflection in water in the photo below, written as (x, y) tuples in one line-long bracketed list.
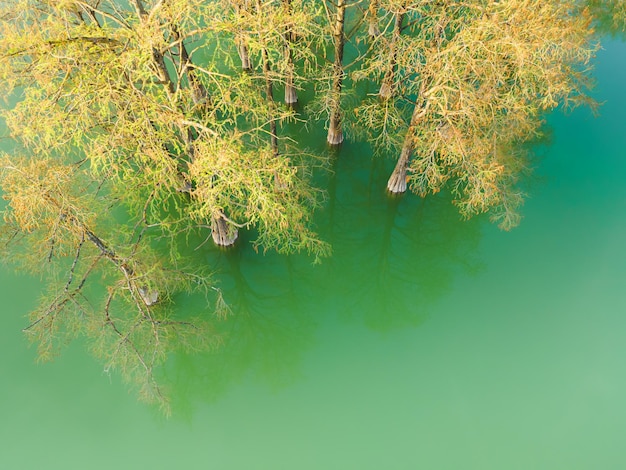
[(393, 258)]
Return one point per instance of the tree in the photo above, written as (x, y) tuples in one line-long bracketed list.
[(54, 218), (473, 79)]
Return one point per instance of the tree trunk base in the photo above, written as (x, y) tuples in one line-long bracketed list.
[(335, 135), (385, 91), (279, 183), (291, 96), (373, 31), (149, 297), (246, 63), (224, 234)]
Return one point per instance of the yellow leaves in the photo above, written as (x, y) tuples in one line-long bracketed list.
[(253, 186), (96, 106), (427, 175), (43, 196), (486, 80), (478, 187), (32, 190)]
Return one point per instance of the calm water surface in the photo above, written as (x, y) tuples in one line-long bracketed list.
[(424, 343)]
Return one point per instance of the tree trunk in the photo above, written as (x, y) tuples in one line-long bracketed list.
[(269, 96), (244, 55), (199, 93), (335, 132), (291, 96), (157, 56), (386, 88), (397, 180), (224, 233), (373, 30), (241, 39), (164, 76)]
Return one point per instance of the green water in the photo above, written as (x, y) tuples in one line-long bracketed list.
[(424, 343)]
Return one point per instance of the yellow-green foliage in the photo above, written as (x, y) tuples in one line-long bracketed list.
[(108, 125), (483, 73), (136, 129), (58, 220)]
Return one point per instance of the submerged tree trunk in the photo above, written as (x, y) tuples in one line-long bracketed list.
[(223, 232), (373, 30), (335, 131), (386, 88), (397, 181)]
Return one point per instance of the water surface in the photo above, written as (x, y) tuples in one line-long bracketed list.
[(425, 342)]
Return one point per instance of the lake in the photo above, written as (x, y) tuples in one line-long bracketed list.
[(425, 341)]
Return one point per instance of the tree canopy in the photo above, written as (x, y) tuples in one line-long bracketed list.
[(142, 126)]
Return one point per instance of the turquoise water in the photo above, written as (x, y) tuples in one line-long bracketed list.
[(425, 342)]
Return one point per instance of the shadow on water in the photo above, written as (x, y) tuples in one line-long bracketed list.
[(393, 258), (264, 337)]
